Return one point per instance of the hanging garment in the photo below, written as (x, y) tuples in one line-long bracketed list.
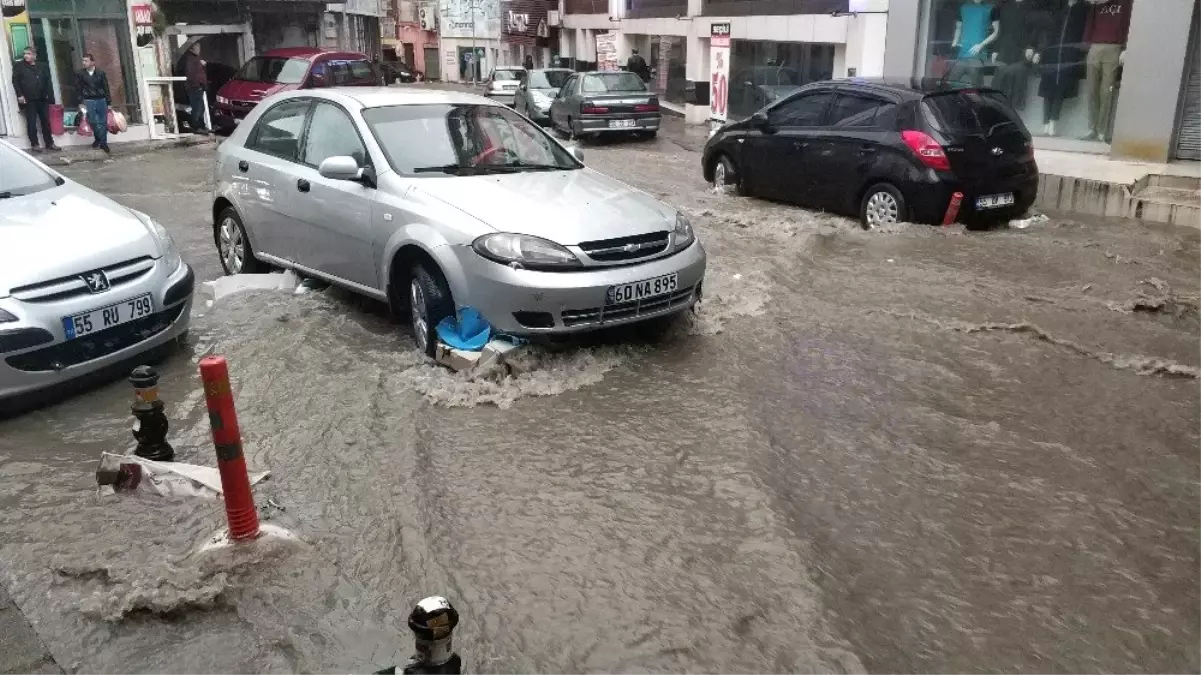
[(1062, 62)]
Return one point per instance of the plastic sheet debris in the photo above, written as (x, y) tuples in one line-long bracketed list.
[(491, 356), (212, 291), (467, 331), (1023, 223), (128, 473)]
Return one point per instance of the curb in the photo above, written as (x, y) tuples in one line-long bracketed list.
[(70, 156)]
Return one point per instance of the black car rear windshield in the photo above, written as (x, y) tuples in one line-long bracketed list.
[(602, 83), (274, 69), (970, 111)]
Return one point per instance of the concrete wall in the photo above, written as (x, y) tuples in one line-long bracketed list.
[(1152, 79)]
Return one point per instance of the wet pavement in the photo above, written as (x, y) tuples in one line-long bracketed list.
[(923, 449)]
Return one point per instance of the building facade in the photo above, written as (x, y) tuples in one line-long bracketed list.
[(353, 25), (1115, 77), (470, 38), (413, 37), (774, 45), (526, 31)]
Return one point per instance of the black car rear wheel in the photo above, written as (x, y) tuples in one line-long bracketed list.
[(882, 205)]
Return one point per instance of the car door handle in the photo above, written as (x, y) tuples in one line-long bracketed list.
[(303, 185), (243, 166)]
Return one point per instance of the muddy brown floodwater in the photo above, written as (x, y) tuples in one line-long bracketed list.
[(915, 450)]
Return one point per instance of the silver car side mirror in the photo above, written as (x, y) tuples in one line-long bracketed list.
[(341, 167)]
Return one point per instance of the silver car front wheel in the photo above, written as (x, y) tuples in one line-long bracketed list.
[(233, 246), (429, 304), (419, 314)]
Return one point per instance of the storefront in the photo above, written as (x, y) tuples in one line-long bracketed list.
[(1097, 76), (525, 32), (668, 56), (762, 71)]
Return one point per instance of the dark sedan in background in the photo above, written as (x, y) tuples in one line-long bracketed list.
[(538, 90), (885, 150), (594, 103)]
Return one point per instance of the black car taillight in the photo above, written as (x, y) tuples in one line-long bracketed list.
[(927, 149)]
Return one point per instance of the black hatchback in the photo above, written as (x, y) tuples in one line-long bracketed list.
[(886, 150)]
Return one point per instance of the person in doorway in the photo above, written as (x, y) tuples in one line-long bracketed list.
[(196, 85), (92, 85), (528, 64), (637, 65), (35, 94)]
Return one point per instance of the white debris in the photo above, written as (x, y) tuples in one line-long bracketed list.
[(212, 291), (492, 355), (1023, 223), (129, 473)]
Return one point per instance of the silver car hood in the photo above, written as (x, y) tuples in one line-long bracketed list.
[(63, 231), (566, 207)]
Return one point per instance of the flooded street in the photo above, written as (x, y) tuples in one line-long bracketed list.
[(924, 449)]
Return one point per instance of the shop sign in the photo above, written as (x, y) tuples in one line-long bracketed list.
[(719, 67), (11, 8), (143, 15), (606, 51), (517, 22)]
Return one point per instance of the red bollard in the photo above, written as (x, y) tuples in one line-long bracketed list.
[(235, 481), (953, 209)]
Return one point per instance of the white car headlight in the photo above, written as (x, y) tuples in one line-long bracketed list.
[(524, 250), (683, 236), (171, 256)]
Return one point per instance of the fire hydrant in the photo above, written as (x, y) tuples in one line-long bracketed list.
[(150, 423), (433, 622)]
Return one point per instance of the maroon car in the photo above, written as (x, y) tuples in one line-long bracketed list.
[(287, 69)]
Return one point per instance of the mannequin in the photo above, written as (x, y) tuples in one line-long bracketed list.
[(1022, 35), (1105, 31), (975, 30), (1062, 62)]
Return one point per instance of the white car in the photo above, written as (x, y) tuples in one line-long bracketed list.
[(85, 283)]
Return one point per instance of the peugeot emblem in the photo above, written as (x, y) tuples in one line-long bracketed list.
[(97, 281), (997, 152)]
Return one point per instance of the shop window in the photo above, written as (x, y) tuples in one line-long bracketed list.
[(1058, 62), (763, 72), (669, 59)]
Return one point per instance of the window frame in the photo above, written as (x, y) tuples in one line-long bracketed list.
[(862, 95), (253, 138), (565, 91), (308, 123)]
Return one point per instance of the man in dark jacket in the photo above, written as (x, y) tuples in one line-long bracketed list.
[(35, 93), (196, 84), (637, 65), (92, 85)]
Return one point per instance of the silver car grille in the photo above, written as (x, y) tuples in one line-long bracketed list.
[(71, 286), (626, 249), (626, 310)]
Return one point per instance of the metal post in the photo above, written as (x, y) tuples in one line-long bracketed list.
[(473, 4), (433, 622), (150, 427), (240, 512)]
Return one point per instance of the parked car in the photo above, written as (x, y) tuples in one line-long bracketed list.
[(85, 283), (399, 71), (289, 69), (884, 150), (605, 102), (502, 84), (534, 95), (434, 200)]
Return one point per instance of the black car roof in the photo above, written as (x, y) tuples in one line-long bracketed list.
[(909, 87)]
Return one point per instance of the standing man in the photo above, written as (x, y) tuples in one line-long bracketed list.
[(637, 65), (35, 93), (92, 85), (528, 64), (196, 84)]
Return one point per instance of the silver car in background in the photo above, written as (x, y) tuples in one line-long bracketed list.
[(434, 200), (85, 283), (502, 84), (535, 93)]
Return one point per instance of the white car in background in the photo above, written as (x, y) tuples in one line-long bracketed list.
[(85, 283)]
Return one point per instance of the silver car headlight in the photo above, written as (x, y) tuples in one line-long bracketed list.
[(682, 235), (171, 257), (521, 250)]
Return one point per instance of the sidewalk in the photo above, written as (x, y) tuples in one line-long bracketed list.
[(81, 153), (21, 650)]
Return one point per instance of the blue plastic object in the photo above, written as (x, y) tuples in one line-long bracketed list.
[(469, 331)]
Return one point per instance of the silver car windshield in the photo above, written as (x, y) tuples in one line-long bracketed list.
[(464, 140), (21, 176)]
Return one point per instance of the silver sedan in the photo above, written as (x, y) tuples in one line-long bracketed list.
[(433, 200), (85, 283)]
